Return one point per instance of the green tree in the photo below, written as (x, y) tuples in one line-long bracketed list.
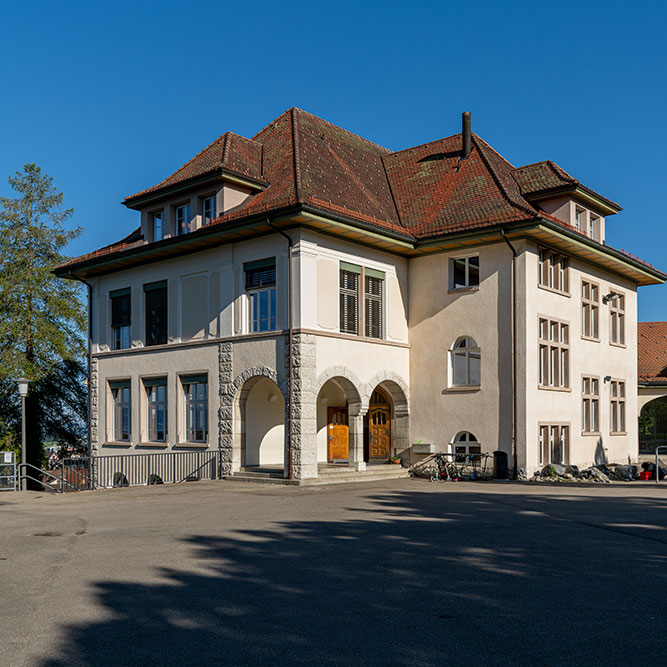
[(43, 317)]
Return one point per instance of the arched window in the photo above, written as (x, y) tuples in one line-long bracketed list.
[(466, 362), (465, 444)]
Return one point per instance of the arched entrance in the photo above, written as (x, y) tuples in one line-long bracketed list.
[(653, 425), (338, 407), (261, 424), (386, 424)]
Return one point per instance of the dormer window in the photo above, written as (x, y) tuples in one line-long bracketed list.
[(580, 220), (158, 228), (594, 227), (208, 210), (183, 218)]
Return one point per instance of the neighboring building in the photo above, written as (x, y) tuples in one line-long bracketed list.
[(409, 316), (652, 371)]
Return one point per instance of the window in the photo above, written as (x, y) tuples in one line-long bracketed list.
[(156, 401), (349, 298), (121, 406), (195, 390), (183, 218), (373, 289), (617, 395), (590, 305), (553, 271), (554, 444), (465, 363), (158, 231), (554, 354), (594, 227), (208, 209), (156, 313), (465, 444), (617, 319), (590, 416), (260, 284), (120, 319), (580, 220), (463, 272)]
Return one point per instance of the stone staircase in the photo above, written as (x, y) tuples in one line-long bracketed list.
[(327, 473)]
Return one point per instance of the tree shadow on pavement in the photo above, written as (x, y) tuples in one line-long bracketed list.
[(421, 579)]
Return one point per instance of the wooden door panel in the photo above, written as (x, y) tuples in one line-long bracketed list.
[(378, 429), (338, 435)]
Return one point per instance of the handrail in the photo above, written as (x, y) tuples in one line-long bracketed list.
[(60, 481), (192, 472), (657, 465)]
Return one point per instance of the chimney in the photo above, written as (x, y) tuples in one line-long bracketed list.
[(465, 135)]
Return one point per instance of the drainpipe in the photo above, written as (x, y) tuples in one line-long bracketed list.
[(90, 358), (290, 329), (514, 453)]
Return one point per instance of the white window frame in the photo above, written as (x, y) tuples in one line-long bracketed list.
[(204, 201), (553, 354), (180, 218), (155, 216), (553, 272), (553, 438), (465, 444), (188, 402), (466, 260), (118, 407), (617, 416), (590, 405), (617, 319), (151, 430), (468, 353), (590, 310)]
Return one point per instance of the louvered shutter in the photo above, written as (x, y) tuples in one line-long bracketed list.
[(260, 274), (156, 313), (349, 301), (373, 297)]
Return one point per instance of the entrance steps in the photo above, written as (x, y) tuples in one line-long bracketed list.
[(327, 473)]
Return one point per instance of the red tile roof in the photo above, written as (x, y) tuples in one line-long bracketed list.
[(419, 193), (652, 352), (541, 177)]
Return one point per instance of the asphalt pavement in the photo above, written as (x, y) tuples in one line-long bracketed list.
[(405, 572)]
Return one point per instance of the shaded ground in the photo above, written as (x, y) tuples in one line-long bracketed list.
[(399, 573)]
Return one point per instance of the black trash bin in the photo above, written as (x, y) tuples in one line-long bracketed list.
[(501, 468)]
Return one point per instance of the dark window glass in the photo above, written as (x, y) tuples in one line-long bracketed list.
[(120, 321), (156, 313)]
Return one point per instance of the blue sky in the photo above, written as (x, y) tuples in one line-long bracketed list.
[(109, 98)]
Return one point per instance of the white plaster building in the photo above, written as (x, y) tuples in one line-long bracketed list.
[(435, 295)]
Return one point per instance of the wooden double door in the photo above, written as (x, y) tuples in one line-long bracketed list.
[(338, 435)]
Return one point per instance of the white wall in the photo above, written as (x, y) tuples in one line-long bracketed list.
[(264, 420)]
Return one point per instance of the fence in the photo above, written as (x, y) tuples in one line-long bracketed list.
[(8, 477), (159, 468)]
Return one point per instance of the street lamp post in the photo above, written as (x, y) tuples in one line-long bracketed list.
[(23, 391)]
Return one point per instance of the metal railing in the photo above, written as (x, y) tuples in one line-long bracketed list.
[(8, 472), (57, 485), (119, 470), (657, 462)]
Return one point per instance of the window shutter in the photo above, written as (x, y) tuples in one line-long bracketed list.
[(120, 310), (156, 313), (349, 301), (373, 290), (260, 274)]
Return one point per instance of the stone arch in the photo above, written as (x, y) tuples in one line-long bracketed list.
[(243, 385), (397, 389), (652, 424), (349, 383)]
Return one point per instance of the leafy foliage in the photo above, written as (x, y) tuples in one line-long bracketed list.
[(43, 317)]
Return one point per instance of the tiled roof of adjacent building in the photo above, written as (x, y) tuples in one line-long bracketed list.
[(652, 352)]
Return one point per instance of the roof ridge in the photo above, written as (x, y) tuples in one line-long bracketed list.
[(499, 184), (561, 173), (295, 156), (426, 143), (270, 123)]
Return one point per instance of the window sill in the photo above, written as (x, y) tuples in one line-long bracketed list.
[(554, 291), (117, 443), (618, 432), (596, 434), (462, 389), (191, 445), (463, 290), (621, 345), (152, 445), (590, 339), (562, 389)]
